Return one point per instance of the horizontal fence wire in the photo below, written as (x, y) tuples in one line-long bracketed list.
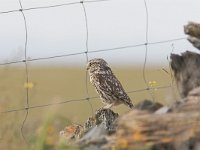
[(51, 6), (80, 99), (92, 51)]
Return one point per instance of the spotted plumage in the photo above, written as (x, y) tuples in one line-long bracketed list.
[(107, 85)]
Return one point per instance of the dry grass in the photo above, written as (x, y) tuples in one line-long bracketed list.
[(60, 84)]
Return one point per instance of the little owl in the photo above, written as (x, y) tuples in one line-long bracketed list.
[(107, 85)]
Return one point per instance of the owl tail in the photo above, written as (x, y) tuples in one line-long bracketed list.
[(130, 105)]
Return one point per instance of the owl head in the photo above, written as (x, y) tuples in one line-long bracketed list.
[(96, 63)]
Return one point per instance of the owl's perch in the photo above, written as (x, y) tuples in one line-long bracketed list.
[(138, 129), (95, 128)]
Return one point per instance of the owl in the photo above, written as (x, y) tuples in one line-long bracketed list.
[(107, 85)]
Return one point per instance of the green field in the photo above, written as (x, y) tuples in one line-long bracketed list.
[(52, 85)]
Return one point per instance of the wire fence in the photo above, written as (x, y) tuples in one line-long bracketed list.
[(85, 52)]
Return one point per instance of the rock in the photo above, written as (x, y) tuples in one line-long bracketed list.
[(106, 117), (163, 110), (72, 132), (148, 106), (192, 29), (94, 138), (98, 129), (169, 131), (186, 68)]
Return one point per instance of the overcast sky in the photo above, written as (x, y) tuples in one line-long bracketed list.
[(114, 23)]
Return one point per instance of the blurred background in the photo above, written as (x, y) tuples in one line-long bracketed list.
[(58, 35)]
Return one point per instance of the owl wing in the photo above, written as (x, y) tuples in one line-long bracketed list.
[(103, 85), (108, 83), (119, 91)]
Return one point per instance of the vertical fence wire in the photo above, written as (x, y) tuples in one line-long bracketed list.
[(86, 55), (146, 42), (26, 70), (146, 50)]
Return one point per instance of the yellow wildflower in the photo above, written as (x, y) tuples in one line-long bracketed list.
[(28, 85), (152, 83)]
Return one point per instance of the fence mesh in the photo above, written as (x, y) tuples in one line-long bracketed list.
[(84, 52)]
